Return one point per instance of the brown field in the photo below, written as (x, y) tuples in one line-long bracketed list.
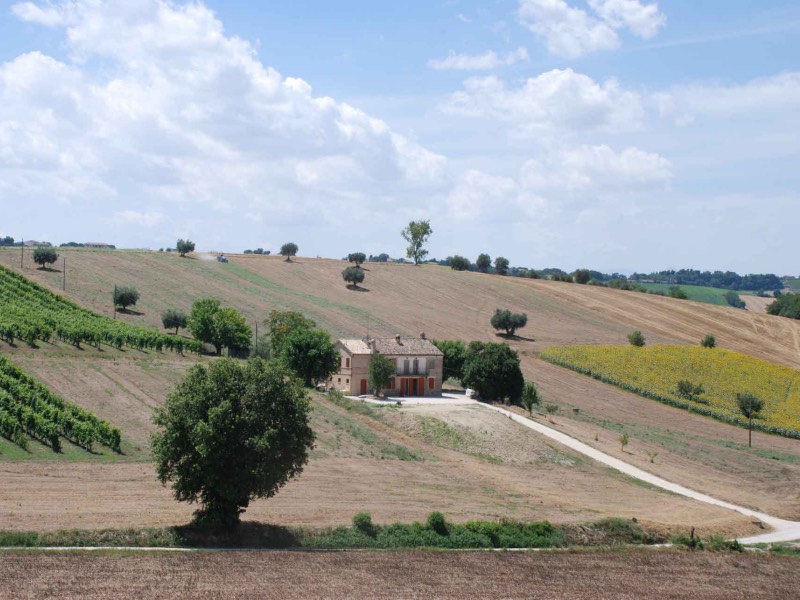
[(485, 477), (639, 575)]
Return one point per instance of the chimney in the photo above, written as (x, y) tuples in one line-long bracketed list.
[(398, 340), (422, 335)]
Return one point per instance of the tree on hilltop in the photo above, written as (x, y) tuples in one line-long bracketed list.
[(459, 263), (289, 250), (184, 247), (417, 234), (483, 263), (231, 433), (501, 265), (357, 257)]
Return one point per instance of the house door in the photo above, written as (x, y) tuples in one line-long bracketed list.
[(363, 386), (414, 388)]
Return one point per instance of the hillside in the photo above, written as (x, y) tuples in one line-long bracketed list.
[(124, 386)]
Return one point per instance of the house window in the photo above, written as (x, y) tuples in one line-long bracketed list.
[(431, 383), (416, 367), (340, 380), (348, 381), (346, 363), (405, 366)]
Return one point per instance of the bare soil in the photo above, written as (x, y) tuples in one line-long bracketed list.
[(624, 575)]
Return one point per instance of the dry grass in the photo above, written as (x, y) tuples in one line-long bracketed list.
[(561, 575), (345, 475)]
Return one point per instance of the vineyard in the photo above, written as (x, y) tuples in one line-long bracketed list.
[(29, 408), (654, 373), (31, 313)]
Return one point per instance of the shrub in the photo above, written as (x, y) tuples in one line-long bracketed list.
[(636, 338), (709, 341), (733, 299), (530, 397), (787, 305), (582, 276), (454, 354), (690, 391), (677, 292), (437, 523), (362, 522)]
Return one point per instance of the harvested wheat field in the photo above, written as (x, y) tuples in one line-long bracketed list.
[(548, 575), (360, 460)]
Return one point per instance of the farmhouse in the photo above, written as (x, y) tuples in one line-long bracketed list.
[(418, 366)]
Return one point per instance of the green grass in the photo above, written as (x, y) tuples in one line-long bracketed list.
[(792, 283), (707, 295)]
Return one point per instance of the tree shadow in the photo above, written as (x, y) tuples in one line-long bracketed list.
[(514, 337), (130, 311), (49, 270), (357, 288), (248, 534)]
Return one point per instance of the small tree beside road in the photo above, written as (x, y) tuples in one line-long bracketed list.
[(530, 397)]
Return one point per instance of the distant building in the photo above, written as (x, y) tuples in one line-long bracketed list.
[(418, 366), (101, 245), (27, 243)]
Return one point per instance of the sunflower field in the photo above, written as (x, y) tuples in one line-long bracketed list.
[(654, 372)]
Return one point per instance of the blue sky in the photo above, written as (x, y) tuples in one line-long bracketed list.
[(611, 134)]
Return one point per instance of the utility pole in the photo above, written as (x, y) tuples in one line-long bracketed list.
[(114, 301), (22, 254), (256, 338), (64, 258)]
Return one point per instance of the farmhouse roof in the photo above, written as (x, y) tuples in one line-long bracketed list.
[(393, 346)]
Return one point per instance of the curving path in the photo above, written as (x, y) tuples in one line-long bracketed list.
[(782, 530)]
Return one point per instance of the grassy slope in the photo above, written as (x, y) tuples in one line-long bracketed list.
[(446, 304), (698, 293)]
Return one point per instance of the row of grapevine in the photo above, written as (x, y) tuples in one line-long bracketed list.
[(31, 313), (29, 408)]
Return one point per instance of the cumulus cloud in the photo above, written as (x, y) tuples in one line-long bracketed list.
[(558, 101), (482, 62), (184, 113), (571, 32)]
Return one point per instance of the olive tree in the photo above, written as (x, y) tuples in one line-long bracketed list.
[(184, 247), (230, 433), (357, 257), (353, 276), (173, 317), (125, 296), (45, 256), (508, 321), (417, 234), (289, 250)]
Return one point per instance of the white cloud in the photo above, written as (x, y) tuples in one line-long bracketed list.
[(141, 219), (557, 101), (463, 18), (571, 32), (597, 169), (487, 60), (184, 114), (476, 193)]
